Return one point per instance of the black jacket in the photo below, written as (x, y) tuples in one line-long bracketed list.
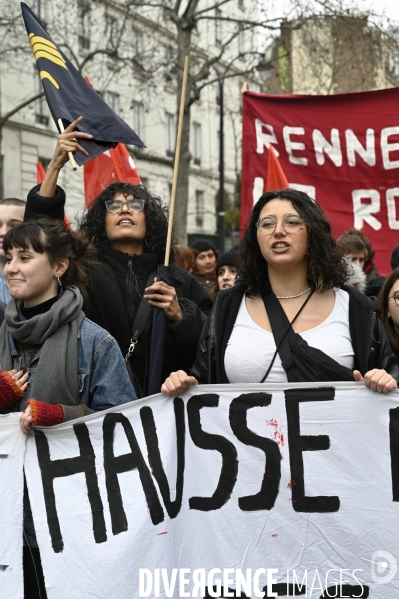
[(117, 285), (369, 340)]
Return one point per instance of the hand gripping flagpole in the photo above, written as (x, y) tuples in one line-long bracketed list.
[(70, 155), (177, 157)]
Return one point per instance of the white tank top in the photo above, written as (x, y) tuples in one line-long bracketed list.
[(250, 348)]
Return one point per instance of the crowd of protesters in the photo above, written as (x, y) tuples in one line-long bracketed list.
[(74, 306)]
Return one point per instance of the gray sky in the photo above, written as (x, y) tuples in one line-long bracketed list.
[(389, 7), (388, 10)]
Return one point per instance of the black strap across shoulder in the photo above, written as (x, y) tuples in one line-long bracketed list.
[(301, 362), (140, 319), (281, 328), (138, 327)]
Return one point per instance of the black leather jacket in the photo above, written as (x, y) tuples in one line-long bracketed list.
[(369, 340)]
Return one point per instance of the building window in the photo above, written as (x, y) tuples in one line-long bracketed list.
[(112, 100), (110, 32), (83, 26), (137, 42), (40, 9), (199, 208), (218, 26), (167, 53), (138, 118), (393, 62), (217, 93), (169, 134), (44, 162), (40, 104), (197, 143), (240, 41)]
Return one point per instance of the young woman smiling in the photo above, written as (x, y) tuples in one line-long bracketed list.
[(63, 365), (128, 227), (288, 251)]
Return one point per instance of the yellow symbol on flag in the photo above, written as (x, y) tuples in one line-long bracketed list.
[(43, 48)]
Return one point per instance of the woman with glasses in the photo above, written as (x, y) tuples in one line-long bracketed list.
[(289, 264), (388, 309), (128, 227)]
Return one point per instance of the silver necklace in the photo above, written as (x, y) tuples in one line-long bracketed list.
[(293, 296)]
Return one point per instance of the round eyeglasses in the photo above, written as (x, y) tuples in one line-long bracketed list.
[(291, 223), (395, 297), (135, 205)]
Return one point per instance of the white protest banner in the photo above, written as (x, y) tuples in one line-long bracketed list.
[(293, 488), (12, 450)]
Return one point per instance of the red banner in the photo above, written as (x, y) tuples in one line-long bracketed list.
[(342, 150)]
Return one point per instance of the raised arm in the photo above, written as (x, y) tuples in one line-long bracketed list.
[(67, 142), (48, 199)]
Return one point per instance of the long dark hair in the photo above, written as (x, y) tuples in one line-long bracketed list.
[(156, 218), (54, 239), (383, 309), (326, 268)]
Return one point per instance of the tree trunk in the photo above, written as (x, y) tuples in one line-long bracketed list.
[(182, 189)]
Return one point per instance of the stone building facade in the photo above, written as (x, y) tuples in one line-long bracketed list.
[(331, 55), (129, 56)]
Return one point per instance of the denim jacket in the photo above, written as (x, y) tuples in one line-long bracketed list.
[(4, 293), (103, 383), (103, 378)]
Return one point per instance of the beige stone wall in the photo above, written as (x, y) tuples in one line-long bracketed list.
[(329, 56)]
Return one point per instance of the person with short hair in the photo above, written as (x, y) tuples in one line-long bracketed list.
[(374, 281), (11, 214), (353, 248), (205, 261), (290, 285), (185, 258)]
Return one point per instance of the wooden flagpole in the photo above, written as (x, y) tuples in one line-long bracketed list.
[(70, 155), (177, 157)]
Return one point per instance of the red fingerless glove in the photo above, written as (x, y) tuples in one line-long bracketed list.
[(45, 414), (9, 391)]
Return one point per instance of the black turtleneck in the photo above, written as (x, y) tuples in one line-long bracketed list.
[(39, 308)]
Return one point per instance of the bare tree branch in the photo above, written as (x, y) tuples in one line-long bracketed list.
[(19, 107)]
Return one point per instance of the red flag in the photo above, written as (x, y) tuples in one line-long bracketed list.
[(40, 173), (276, 178), (113, 165)]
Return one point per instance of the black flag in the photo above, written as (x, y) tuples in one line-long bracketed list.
[(69, 96)]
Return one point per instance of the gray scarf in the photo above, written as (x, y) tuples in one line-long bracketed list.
[(56, 375)]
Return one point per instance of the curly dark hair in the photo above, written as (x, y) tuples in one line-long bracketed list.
[(383, 311), (326, 268), (156, 218)]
